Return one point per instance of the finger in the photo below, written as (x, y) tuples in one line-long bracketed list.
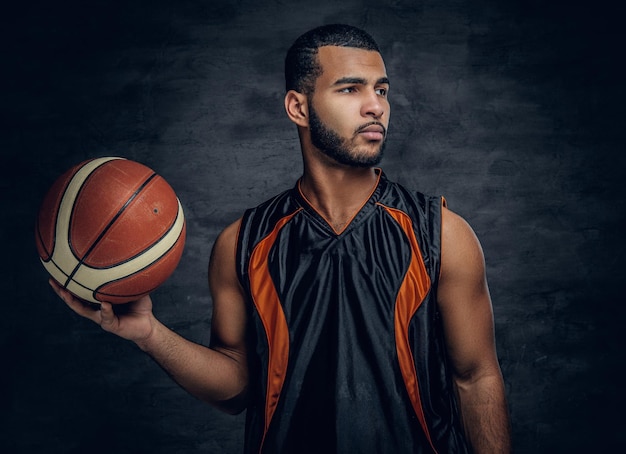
[(108, 319)]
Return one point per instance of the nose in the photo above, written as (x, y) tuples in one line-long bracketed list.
[(374, 105)]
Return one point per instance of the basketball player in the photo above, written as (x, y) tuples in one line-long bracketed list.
[(350, 314)]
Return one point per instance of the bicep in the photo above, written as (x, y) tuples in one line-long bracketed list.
[(464, 301), (229, 314)]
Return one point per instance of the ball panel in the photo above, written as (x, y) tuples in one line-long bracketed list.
[(55, 272), (101, 198), (142, 223), (80, 291), (145, 281), (47, 217)]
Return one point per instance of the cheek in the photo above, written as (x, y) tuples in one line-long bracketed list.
[(337, 118), (345, 116)]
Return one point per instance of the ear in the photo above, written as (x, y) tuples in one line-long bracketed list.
[(297, 108)]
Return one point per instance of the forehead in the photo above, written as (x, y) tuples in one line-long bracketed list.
[(340, 62)]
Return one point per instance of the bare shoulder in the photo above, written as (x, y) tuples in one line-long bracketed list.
[(228, 236), (460, 245), (225, 245)]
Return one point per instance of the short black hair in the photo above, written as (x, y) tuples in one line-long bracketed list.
[(301, 65)]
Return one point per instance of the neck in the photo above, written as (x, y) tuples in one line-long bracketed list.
[(338, 193)]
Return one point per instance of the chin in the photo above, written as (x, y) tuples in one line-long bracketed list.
[(369, 159), (364, 161)]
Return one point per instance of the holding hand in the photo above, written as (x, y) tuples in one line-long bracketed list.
[(133, 321)]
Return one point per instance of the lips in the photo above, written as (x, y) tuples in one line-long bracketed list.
[(372, 132)]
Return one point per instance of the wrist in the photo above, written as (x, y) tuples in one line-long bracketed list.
[(147, 342)]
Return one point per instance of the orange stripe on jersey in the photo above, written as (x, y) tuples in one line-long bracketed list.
[(271, 313), (414, 288)]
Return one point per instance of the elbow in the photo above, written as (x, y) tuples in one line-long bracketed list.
[(234, 405), (478, 376)]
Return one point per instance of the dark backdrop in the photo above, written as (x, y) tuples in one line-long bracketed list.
[(511, 109)]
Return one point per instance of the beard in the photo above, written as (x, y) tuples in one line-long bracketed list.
[(340, 149)]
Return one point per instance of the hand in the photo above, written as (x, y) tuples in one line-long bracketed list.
[(133, 321)]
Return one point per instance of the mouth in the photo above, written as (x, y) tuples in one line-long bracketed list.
[(372, 131)]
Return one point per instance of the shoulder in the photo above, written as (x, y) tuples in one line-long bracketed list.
[(229, 234), (284, 197), (461, 252), (417, 204), (223, 253), (259, 221), (455, 229)]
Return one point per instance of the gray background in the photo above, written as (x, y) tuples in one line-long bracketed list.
[(511, 109)]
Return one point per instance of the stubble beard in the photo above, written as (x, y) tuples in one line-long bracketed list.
[(338, 148)]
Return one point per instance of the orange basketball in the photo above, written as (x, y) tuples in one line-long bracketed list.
[(110, 229)]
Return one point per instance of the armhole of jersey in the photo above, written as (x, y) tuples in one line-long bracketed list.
[(239, 250), (444, 204), (243, 248)]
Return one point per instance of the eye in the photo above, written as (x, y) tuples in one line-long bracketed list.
[(382, 92), (347, 90)]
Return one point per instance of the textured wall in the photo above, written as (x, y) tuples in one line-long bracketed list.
[(512, 110)]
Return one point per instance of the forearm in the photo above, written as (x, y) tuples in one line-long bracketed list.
[(484, 413), (218, 377)]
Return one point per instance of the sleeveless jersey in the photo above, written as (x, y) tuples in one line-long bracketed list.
[(346, 350)]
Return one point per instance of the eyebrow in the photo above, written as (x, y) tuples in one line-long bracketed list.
[(359, 81)]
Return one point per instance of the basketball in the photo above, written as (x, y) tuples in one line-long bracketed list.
[(110, 229)]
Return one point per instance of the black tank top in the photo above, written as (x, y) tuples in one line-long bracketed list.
[(346, 348)]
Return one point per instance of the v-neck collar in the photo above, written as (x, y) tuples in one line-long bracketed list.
[(368, 206)]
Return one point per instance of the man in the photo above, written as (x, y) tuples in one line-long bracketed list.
[(350, 315)]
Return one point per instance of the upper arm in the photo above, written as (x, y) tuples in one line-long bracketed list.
[(464, 301), (229, 313)]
